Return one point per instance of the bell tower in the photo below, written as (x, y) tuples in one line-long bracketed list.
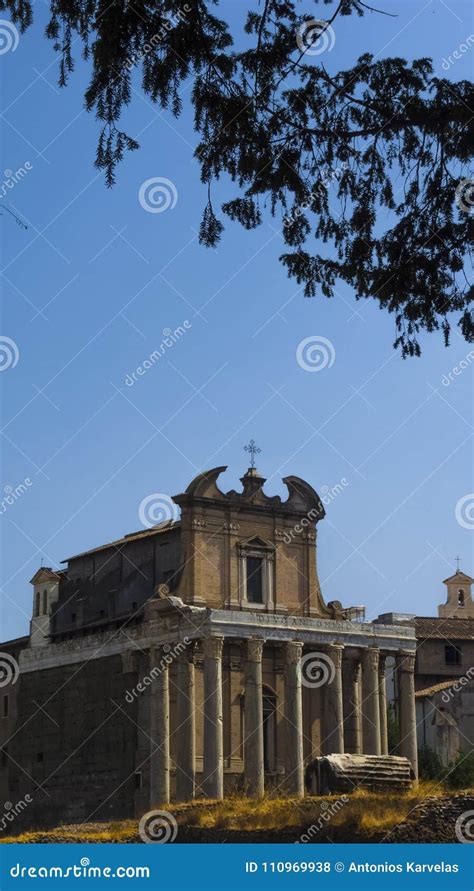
[(459, 603), (45, 594)]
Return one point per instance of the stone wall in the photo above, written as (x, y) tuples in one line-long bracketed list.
[(431, 662), (115, 581), (76, 742), (8, 703)]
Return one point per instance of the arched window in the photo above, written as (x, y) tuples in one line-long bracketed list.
[(460, 597), (37, 603), (45, 602)]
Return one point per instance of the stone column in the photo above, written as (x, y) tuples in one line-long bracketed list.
[(383, 707), (370, 701), (185, 727), (406, 688), (294, 719), (351, 675), (253, 743), (334, 702), (159, 728), (213, 775)]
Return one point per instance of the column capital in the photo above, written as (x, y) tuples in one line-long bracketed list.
[(158, 654), (212, 647), (293, 652), (406, 661), (370, 658), (188, 655), (335, 652), (255, 649)]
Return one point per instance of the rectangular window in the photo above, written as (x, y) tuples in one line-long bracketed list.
[(254, 579), (5, 707), (452, 655)]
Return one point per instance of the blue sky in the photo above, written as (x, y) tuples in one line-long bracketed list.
[(92, 284)]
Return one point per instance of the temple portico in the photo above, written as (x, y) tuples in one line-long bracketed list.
[(339, 670)]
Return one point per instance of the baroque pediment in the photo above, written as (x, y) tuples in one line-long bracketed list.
[(302, 498)]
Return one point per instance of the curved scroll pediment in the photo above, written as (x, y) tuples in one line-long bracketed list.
[(204, 485), (302, 498)]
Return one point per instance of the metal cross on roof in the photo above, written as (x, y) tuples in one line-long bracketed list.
[(253, 449), (458, 560)]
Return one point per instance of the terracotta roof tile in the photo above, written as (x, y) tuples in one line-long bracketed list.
[(132, 536), (451, 629), (436, 688)]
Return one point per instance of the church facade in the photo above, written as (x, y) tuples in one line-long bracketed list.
[(194, 658)]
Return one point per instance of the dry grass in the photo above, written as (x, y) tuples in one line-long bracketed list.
[(364, 814), (97, 832)]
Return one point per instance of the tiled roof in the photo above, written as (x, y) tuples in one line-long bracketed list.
[(132, 536), (45, 572), (436, 688), (449, 629), (459, 576)]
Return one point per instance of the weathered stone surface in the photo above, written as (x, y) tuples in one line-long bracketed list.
[(346, 773)]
